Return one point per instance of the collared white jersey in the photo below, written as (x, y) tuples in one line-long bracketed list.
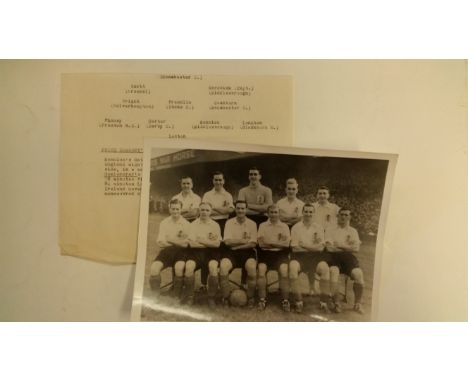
[(326, 215), (233, 230), (208, 230), (290, 209), (170, 229), (189, 202), (339, 236), (309, 235), (218, 200), (271, 232)]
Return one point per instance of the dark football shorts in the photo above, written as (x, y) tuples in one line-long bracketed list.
[(222, 224), (345, 261), (239, 257), (258, 219), (202, 256), (310, 260), (170, 255), (273, 259)]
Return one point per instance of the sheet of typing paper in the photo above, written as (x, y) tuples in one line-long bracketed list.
[(104, 118)]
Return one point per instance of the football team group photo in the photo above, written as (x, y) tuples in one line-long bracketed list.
[(241, 236)]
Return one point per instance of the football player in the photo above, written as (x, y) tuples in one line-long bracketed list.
[(190, 201), (273, 240), (240, 240), (204, 240), (290, 207), (307, 245), (342, 242), (173, 242), (257, 196), (222, 206)]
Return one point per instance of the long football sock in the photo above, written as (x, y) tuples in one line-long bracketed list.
[(212, 285), (295, 289), (224, 286), (310, 276), (189, 283), (251, 285), (204, 275), (177, 284), (155, 282), (284, 287), (357, 288), (324, 290), (261, 285), (334, 288), (316, 284)]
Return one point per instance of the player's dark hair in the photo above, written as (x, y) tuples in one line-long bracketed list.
[(175, 201), (186, 177), (218, 173), (271, 206), (241, 201), (345, 208), (322, 187), (308, 205), (207, 203), (255, 169)]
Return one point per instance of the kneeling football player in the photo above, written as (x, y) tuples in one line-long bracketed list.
[(173, 242), (204, 240), (307, 244), (273, 240), (343, 243), (240, 240)]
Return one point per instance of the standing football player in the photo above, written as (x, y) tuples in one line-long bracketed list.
[(220, 200), (326, 213), (190, 201), (290, 207), (257, 196), (222, 206), (326, 216)]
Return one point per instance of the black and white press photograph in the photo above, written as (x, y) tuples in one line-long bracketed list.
[(232, 232)]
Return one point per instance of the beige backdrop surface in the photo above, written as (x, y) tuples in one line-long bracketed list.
[(416, 109)]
